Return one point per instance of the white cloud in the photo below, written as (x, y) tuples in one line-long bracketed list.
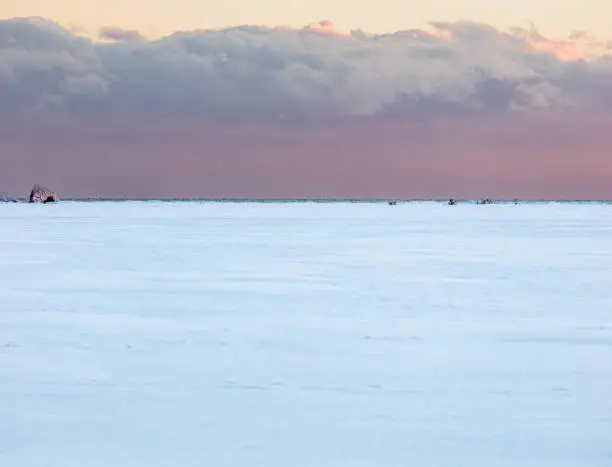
[(264, 71)]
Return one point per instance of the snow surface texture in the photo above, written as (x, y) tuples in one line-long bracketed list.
[(319, 335)]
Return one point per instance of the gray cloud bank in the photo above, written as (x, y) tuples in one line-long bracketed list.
[(250, 71)]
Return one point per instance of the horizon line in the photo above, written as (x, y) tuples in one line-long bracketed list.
[(323, 200)]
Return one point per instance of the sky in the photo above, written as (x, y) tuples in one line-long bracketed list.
[(165, 16), (189, 99)]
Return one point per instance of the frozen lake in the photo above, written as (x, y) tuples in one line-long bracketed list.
[(305, 335)]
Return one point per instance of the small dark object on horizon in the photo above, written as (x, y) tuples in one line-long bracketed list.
[(452, 202), (392, 203), (43, 195), (6, 199)]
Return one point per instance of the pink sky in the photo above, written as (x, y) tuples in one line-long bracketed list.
[(503, 158)]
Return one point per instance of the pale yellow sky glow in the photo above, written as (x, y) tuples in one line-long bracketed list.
[(159, 17)]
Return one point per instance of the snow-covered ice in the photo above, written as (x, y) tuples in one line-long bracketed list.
[(305, 335)]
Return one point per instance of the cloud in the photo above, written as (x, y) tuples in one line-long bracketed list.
[(326, 26), (459, 68), (117, 34)]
